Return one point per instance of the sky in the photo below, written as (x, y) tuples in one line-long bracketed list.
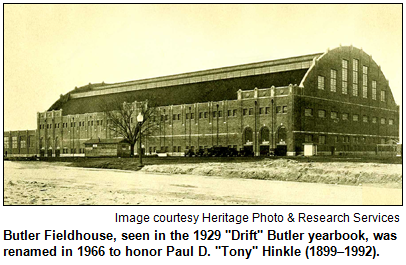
[(51, 49)]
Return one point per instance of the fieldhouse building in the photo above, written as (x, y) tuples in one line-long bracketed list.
[(339, 101)]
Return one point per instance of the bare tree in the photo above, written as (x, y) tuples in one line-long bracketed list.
[(122, 120)]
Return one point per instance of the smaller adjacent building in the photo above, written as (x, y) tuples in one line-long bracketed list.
[(20, 143), (107, 147)]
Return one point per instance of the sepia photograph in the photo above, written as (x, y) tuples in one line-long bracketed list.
[(160, 104)]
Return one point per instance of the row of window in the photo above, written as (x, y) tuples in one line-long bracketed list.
[(73, 150), (153, 149), (72, 124), (14, 142), (343, 139), (344, 81), (230, 113), (345, 116)]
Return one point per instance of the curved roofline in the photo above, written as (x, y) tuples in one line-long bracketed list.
[(314, 64)]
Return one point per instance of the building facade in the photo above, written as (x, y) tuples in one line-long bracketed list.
[(338, 100)]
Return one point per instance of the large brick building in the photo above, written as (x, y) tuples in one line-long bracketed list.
[(338, 100)]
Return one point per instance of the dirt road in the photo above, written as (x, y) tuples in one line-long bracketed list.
[(54, 183)]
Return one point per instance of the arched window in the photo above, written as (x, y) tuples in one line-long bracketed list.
[(264, 135), (248, 135), (281, 136)]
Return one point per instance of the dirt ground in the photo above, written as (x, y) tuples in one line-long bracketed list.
[(42, 183)]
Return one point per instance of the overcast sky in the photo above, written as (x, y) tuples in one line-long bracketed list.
[(50, 49)]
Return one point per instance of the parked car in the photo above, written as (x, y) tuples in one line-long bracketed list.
[(189, 153)]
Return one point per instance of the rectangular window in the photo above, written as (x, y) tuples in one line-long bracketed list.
[(174, 149), (261, 110), (322, 113), (355, 117), (174, 117), (6, 142), (187, 116), (14, 141), (214, 114), (308, 112), (267, 110), (355, 65), (244, 112), (333, 80), (322, 139), (355, 90), (91, 123), (374, 90), (278, 109), (355, 77), (383, 120), (166, 117), (206, 114), (390, 121), (321, 82), (365, 118), (200, 115), (229, 113), (23, 143), (192, 116), (220, 114), (334, 115), (285, 109), (383, 95), (336, 139), (251, 111), (308, 138), (235, 112), (374, 119), (344, 78), (364, 81), (178, 116), (344, 88), (345, 116)]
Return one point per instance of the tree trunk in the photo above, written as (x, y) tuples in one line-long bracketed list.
[(132, 149)]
